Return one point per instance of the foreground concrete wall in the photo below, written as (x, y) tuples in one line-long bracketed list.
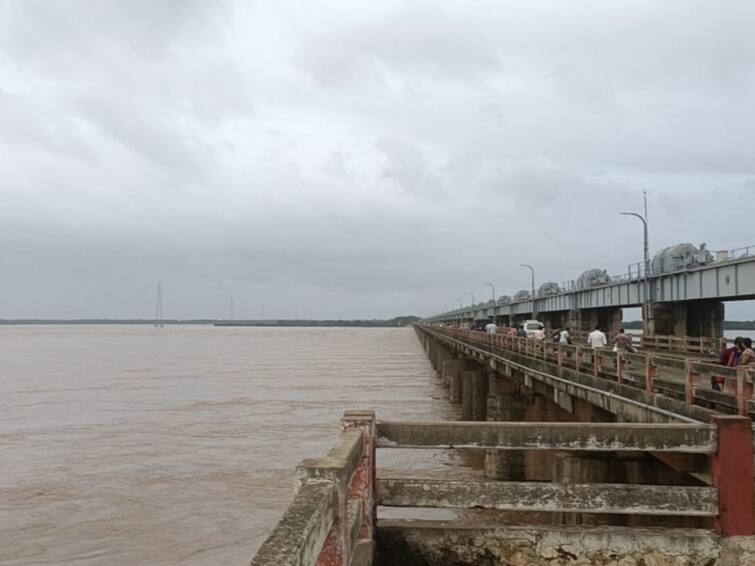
[(429, 543)]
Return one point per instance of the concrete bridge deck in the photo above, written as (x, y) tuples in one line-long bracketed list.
[(645, 387), (573, 480), (731, 279)]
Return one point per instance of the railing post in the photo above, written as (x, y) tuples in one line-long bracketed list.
[(560, 356), (649, 373), (689, 382), (744, 392), (619, 368), (596, 362), (578, 359), (732, 475)]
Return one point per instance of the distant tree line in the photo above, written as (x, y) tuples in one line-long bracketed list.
[(392, 322), (728, 325)]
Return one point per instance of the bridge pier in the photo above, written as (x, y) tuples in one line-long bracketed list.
[(455, 383), (703, 317), (556, 319), (474, 395), (448, 369), (510, 406), (585, 320)]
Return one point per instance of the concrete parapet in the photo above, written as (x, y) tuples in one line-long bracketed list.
[(303, 529), (333, 515)]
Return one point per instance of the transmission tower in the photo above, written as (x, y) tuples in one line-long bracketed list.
[(159, 306)]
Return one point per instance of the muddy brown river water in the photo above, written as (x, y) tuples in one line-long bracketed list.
[(131, 444)]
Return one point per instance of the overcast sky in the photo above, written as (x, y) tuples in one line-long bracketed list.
[(359, 159)]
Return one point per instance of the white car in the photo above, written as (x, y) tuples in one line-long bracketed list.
[(534, 329)]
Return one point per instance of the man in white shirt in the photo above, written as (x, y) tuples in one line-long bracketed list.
[(491, 328), (597, 339), (563, 336)]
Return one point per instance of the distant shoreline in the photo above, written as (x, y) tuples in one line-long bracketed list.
[(381, 323), (280, 323), (728, 325)]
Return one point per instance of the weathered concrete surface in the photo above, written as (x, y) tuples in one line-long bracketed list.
[(480, 385), (552, 497), (468, 379), (430, 543), (737, 551), (301, 532), (668, 437)]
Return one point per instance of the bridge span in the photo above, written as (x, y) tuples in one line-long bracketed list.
[(684, 302), (590, 457)]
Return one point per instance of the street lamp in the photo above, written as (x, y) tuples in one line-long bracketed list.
[(645, 246), (493, 289), (461, 314), (532, 273)]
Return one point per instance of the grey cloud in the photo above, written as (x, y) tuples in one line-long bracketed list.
[(358, 159), (407, 166), (417, 39)]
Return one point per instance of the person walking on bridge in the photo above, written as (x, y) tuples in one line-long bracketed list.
[(622, 342), (747, 356), (596, 338), (491, 327), (563, 336)]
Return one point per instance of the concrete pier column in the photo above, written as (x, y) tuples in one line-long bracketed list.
[(703, 317), (448, 369), (607, 318), (507, 464), (578, 468), (438, 357), (432, 346), (468, 378), (441, 357), (706, 318), (455, 384), (480, 385)]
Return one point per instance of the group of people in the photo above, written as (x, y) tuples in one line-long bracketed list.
[(622, 342), (738, 355), (596, 339)]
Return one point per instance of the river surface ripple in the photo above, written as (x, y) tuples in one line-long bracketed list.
[(132, 444)]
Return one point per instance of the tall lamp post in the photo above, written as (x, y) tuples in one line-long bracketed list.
[(532, 273), (471, 295), (461, 314), (645, 247), (493, 289)]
